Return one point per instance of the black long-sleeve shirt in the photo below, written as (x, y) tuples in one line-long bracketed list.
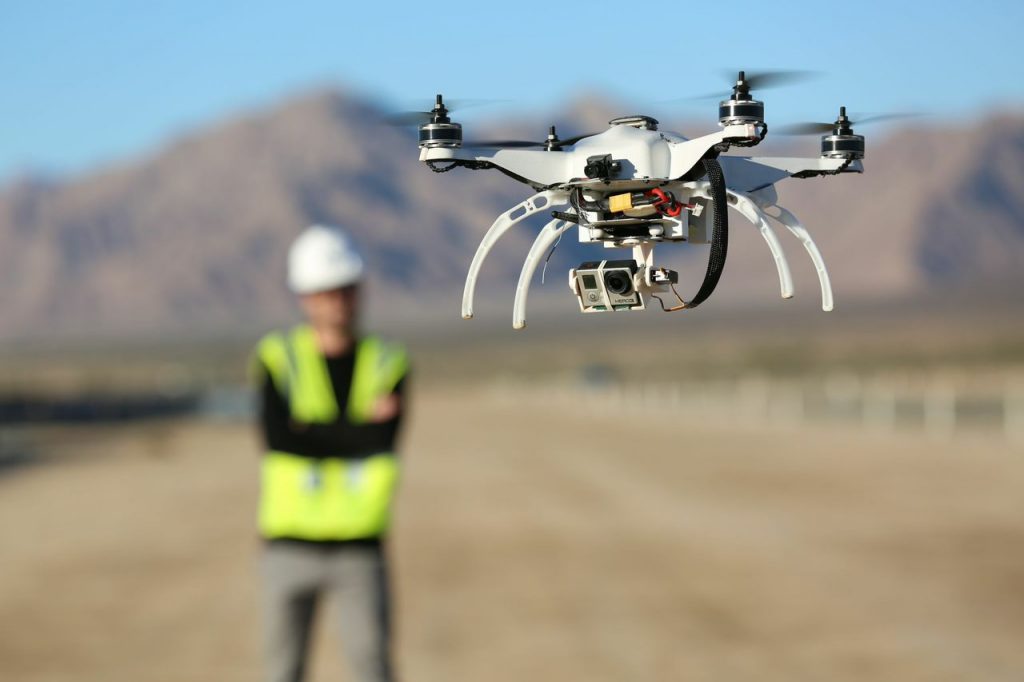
[(340, 438)]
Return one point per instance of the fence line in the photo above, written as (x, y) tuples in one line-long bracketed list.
[(1013, 415), (938, 407)]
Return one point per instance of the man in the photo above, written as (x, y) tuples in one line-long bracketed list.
[(330, 412)]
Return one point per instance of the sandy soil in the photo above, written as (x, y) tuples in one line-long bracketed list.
[(540, 543)]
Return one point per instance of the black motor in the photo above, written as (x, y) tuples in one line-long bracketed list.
[(842, 143), (741, 107), (440, 131)]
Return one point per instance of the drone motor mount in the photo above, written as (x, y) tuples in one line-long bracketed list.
[(440, 131), (842, 143), (741, 107)]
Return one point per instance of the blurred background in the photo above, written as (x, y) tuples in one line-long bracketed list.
[(752, 489)]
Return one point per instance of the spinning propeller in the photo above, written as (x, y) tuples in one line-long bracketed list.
[(437, 129), (747, 81), (842, 122), (441, 110), (551, 143)]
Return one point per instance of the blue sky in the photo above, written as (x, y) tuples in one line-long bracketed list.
[(87, 83)]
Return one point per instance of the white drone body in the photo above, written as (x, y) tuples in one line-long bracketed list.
[(633, 187)]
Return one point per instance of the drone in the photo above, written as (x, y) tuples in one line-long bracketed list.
[(634, 186)]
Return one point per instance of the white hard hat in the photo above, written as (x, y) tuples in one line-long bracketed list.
[(322, 258)]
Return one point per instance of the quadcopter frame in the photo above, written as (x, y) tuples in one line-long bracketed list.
[(646, 160)]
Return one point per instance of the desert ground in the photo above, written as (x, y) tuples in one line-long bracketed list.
[(538, 540)]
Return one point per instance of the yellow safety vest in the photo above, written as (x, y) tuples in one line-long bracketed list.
[(327, 498)]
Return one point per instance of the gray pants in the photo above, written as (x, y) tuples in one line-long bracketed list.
[(296, 577)]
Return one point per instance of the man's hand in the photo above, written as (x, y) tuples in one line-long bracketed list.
[(386, 408)]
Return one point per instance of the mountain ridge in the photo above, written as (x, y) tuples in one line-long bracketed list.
[(193, 235)]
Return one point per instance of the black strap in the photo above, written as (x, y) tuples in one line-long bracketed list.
[(720, 238)]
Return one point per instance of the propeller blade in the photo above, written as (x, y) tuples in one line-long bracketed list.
[(461, 103), (720, 94), (524, 143), (757, 80), (413, 118), (820, 127), (858, 119), (760, 80), (407, 118)]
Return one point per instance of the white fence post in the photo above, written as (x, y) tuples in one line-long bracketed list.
[(786, 407), (752, 398), (842, 392), (1013, 411), (878, 407), (940, 411)]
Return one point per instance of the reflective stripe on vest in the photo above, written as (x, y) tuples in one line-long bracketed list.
[(327, 498)]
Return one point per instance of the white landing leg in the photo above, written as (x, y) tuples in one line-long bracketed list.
[(504, 222), (545, 240), (791, 222), (743, 203)]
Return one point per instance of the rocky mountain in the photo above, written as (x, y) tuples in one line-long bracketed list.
[(191, 240)]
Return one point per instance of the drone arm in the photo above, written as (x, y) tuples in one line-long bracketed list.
[(504, 222), (687, 154), (800, 232), (753, 174), (752, 212), (545, 240)]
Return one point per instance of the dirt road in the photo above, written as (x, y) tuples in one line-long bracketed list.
[(539, 543)]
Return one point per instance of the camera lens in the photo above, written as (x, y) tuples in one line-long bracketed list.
[(618, 282)]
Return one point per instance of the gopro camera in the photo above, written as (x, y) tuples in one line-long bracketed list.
[(606, 285)]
